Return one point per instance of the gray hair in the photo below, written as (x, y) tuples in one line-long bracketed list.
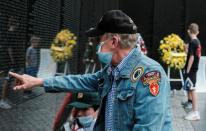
[(126, 40), (33, 37)]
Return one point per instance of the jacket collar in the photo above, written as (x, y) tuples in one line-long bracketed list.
[(129, 66)]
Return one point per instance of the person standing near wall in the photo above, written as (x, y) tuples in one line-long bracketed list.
[(32, 60), (191, 67)]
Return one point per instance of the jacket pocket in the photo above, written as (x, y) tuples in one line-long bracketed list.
[(124, 95)]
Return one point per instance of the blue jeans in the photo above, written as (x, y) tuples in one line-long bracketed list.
[(32, 71)]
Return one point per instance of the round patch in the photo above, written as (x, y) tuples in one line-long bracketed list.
[(136, 74)]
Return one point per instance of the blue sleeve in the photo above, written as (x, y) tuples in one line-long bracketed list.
[(152, 113), (72, 83)]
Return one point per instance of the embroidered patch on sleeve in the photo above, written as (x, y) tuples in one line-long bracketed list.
[(136, 74), (151, 79)]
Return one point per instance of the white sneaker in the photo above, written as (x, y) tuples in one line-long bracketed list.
[(4, 105), (193, 116)]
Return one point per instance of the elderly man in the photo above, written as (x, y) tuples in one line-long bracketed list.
[(134, 89)]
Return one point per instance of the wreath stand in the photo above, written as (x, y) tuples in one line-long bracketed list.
[(175, 79), (65, 70), (4, 104)]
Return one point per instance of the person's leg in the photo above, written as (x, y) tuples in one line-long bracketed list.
[(194, 100), (194, 114), (188, 86), (188, 104), (189, 97), (3, 103)]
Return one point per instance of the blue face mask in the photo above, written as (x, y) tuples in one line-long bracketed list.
[(104, 57), (85, 121)]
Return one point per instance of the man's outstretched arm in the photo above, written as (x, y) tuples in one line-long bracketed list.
[(69, 83), (26, 81)]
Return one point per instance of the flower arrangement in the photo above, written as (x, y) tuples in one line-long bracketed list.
[(172, 50), (62, 45), (141, 44)]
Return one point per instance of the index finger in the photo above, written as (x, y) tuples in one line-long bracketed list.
[(15, 75)]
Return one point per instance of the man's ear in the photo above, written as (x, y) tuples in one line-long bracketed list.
[(188, 31), (115, 40), (198, 32)]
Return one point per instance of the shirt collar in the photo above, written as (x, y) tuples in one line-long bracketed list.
[(115, 71)]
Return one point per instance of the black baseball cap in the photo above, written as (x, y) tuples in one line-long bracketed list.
[(113, 21), (85, 100)]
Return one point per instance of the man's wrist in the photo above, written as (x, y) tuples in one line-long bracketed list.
[(39, 82)]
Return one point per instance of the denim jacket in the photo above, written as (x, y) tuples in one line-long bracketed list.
[(142, 102)]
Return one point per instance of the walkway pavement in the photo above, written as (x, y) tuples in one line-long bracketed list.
[(179, 124), (37, 113), (201, 125), (33, 114)]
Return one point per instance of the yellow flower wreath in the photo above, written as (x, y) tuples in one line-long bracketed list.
[(172, 50), (62, 45)]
